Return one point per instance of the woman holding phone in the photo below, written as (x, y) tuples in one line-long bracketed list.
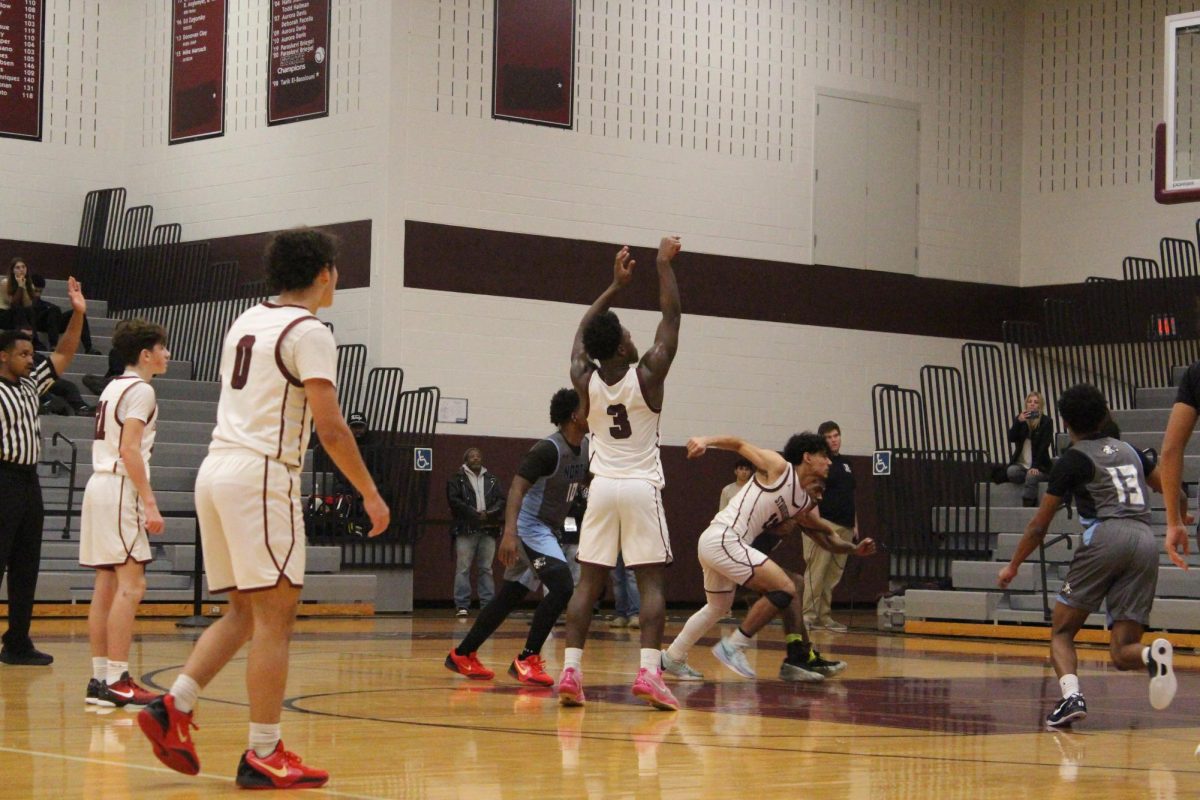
[(1031, 435)]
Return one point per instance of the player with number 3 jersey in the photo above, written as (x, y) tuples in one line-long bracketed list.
[(622, 395)]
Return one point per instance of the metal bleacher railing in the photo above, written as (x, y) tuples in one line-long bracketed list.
[(948, 436), (146, 271)]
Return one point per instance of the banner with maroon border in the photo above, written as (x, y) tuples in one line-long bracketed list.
[(298, 75), (198, 32), (22, 48), (533, 75)]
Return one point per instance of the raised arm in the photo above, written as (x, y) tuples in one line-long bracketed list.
[(581, 365), (657, 360), (768, 462), (68, 343)]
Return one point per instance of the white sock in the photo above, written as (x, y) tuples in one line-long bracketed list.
[(115, 670), (1145, 655), (1069, 685), (740, 640), (100, 668), (573, 657), (263, 738), (651, 659), (186, 692)]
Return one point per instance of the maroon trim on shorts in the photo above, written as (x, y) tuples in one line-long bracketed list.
[(266, 533), (292, 379), (662, 533), (115, 564), (292, 515), (253, 589)]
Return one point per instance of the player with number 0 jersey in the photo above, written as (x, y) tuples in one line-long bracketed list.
[(278, 375), (621, 396)]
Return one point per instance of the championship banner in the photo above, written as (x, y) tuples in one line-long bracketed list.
[(22, 40), (298, 74), (197, 70), (533, 77)]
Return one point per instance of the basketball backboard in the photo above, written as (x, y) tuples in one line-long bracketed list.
[(1182, 101)]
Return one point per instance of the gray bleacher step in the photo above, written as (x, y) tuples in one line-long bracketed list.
[(339, 588), (1172, 613), (181, 528), (947, 604), (1156, 398), (1154, 438), (981, 575), (1032, 602), (81, 429), (319, 560), (1013, 615), (55, 497), (98, 308), (157, 567), (1142, 419), (1001, 520), (98, 365), (167, 479), (164, 388), (166, 454), (178, 595), (1008, 495), (1058, 552)]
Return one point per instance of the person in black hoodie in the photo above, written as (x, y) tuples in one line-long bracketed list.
[(477, 501), (1031, 435)]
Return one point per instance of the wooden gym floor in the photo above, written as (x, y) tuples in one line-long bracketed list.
[(369, 700)]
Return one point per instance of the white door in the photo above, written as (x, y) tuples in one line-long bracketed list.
[(865, 185)]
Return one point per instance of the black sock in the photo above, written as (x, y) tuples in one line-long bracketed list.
[(797, 652), (526, 653)]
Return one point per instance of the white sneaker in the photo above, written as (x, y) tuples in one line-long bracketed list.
[(1162, 674), (834, 626), (733, 657), (794, 673), (680, 669)]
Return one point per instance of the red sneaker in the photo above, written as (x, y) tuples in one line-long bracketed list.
[(124, 693), (280, 770), (469, 666), (531, 670), (167, 729)]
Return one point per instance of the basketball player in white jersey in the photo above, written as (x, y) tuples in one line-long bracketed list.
[(119, 509), (776, 494), (622, 395), (278, 374)]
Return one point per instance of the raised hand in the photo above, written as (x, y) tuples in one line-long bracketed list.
[(623, 268), (668, 247), (75, 293), (696, 447)]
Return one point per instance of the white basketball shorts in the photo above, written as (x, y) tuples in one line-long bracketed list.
[(112, 523), (625, 516), (728, 561)]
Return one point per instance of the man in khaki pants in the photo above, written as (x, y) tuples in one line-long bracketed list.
[(823, 569)]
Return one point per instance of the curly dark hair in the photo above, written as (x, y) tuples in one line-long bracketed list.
[(9, 339), (602, 336), (132, 336), (1083, 408), (295, 258), (563, 405), (801, 443)]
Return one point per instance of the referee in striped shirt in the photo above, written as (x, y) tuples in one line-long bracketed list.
[(21, 386)]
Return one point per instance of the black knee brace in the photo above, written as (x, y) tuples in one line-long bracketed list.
[(556, 576), (780, 599)]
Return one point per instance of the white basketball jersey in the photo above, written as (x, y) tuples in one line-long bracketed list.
[(126, 396), (267, 355), (624, 430), (755, 507)]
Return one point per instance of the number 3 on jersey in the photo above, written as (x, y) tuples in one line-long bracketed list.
[(621, 428), (241, 362), (1125, 479)]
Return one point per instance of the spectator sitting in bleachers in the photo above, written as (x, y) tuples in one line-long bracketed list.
[(49, 318), (16, 300), (1031, 435)]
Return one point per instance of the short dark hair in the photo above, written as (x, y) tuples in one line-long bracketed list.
[(563, 405), (1083, 408), (801, 443), (132, 336), (471, 449), (37, 280), (828, 426), (10, 338), (602, 336), (743, 462), (296, 257)]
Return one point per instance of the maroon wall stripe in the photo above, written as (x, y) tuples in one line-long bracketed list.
[(689, 502), (454, 259)]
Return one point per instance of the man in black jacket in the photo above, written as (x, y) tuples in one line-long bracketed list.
[(476, 500)]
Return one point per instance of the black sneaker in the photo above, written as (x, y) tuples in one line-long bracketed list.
[(93, 691), (823, 665), (26, 658), (94, 383), (1068, 710)]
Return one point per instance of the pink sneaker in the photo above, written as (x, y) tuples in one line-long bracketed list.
[(650, 687), (570, 688)]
